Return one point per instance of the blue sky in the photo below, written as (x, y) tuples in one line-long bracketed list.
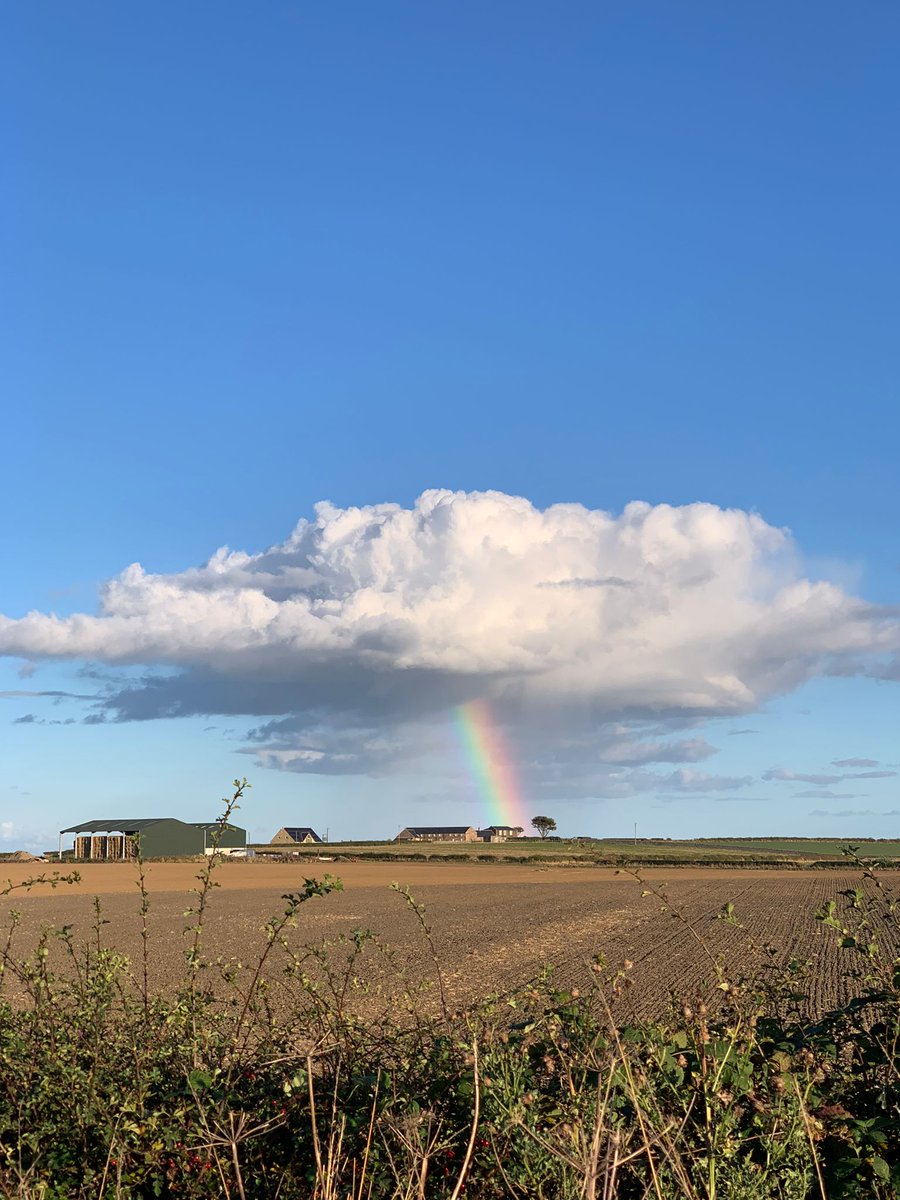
[(261, 258)]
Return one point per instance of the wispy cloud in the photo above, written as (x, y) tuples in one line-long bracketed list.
[(15, 836), (855, 812), (785, 774), (824, 794), (741, 800), (20, 694), (580, 584), (698, 782), (34, 719)]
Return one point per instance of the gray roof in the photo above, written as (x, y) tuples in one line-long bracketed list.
[(303, 830), (117, 825), (438, 828), (136, 824)]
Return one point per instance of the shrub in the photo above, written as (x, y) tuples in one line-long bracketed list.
[(216, 1090)]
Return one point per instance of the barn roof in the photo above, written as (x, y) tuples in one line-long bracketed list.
[(117, 825), (136, 824)]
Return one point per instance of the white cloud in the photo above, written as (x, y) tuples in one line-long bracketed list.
[(567, 618), (712, 617)]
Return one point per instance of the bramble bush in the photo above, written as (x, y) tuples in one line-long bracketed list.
[(227, 1086)]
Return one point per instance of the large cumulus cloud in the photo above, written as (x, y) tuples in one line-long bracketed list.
[(366, 620)]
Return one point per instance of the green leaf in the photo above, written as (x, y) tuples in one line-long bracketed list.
[(880, 1167)]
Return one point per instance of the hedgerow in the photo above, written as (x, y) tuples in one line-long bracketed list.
[(227, 1086)]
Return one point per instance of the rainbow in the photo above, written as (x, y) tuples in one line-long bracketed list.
[(491, 764)]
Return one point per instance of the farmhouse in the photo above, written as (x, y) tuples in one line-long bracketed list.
[(295, 834), (437, 833), (500, 833), (159, 837)]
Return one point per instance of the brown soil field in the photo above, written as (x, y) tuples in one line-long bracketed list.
[(494, 926), (115, 878)]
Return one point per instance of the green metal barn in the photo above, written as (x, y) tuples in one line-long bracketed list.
[(159, 837)]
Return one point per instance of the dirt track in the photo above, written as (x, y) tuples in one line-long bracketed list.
[(495, 926)]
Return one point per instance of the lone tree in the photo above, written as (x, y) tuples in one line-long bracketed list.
[(544, 825)]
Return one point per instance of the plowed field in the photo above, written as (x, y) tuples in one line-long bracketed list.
[(494, 926)]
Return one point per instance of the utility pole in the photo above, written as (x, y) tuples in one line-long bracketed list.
[(635, 833)]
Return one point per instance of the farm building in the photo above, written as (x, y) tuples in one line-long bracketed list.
[(159, 837), (500, 833), (437, 833), (295, 834)]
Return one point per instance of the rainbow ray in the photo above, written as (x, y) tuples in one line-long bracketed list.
[(491, 764)]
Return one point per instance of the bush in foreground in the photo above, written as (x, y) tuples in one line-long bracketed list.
[(269, 1080)]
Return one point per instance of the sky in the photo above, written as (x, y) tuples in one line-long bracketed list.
[(444, 412)]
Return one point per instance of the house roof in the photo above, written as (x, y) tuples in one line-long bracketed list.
[(439, 828), (296, 831)]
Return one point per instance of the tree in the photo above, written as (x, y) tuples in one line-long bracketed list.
[(544, 825)]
